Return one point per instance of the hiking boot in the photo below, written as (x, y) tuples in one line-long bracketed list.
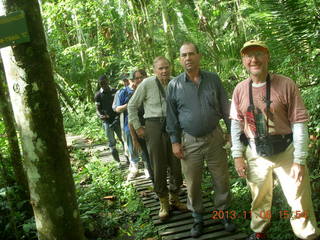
[(115, 155), (257, 236), (197, 229), (228, 225), (127, 160), (164, 208), (176, 204)]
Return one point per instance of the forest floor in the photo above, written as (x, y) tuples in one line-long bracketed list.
[(179, 224), (101, 151)]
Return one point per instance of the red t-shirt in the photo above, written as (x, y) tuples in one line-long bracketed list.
[(286, 107)]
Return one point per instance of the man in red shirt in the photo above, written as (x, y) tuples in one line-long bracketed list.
[(269, 110)]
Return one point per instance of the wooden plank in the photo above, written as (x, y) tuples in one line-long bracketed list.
[(184, 227), (181, 216), (237, 236), (179, 224), (186, 221), (185, 235)]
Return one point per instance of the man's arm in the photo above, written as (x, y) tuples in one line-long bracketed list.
[(237, 149), (173, 126), (298, 116), (136, 144), (300, 144), (115, 102), (133, 106), (121, 108), (119, 104), (99, 111)]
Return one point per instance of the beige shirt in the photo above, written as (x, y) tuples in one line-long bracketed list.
[(286, 108), (150, 96)]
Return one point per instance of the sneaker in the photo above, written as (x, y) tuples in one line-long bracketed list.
[(146, 174), (228, 225), (257, 236), (131, 176), (133, 172), (197, 229)]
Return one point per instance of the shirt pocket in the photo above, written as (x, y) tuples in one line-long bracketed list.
[(210, 97)]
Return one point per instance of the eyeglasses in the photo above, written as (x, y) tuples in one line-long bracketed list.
[(256, 54), (138, 78)]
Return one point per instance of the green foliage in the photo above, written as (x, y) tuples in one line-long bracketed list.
[(88, 38), (16, 221), (3, 142), (122, 215), (312, 101), (84, 122)]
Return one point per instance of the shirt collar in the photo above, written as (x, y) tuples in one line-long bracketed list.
[(186, 78)]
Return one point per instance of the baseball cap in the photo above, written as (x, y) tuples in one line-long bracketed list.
[(254, 43)]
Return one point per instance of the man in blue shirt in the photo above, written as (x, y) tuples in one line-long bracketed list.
[(121, 107), (196, 101)]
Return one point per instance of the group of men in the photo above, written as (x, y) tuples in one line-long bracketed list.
[(178, 118)]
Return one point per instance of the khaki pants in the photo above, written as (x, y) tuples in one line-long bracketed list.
[(260, 181), (196, 151), (162, 158)]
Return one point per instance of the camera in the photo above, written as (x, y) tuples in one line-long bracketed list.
[(264, 146)]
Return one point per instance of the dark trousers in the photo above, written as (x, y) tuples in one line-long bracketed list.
[(162, 158), (145, 157)]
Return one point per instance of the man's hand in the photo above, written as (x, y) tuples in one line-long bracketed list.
[(121, 108), (136, 145), (140, 132), (241, 167), (103, 117), (297, 172), (177, 150), (227, 140)]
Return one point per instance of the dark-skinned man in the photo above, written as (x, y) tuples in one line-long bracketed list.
[(110, 120)]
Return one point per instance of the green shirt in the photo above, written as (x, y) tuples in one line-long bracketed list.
[(150, 96)]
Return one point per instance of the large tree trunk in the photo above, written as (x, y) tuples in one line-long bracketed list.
[(14, 149), (39, 119)]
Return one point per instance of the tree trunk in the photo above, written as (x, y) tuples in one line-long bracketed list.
[(14, 149), (166, 29), (39, 120)]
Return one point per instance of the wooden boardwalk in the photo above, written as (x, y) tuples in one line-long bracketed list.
[(179, 224)]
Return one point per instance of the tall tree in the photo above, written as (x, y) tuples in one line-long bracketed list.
[(39, 119), (14, 149)]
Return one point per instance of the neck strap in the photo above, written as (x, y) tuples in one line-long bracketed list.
[(267, 100)]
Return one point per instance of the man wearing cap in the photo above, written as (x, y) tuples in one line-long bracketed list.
[(268, 109), (196, 102), (110, 120), (152, 94)]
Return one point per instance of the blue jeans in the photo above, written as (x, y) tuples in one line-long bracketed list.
[(110, 133), (133, 155)]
